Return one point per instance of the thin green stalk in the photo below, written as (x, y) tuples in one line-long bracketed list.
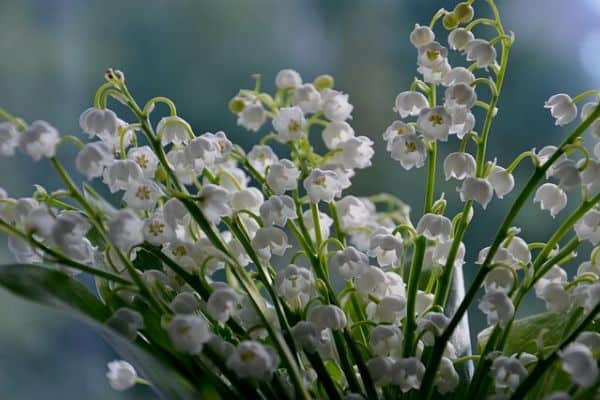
[(410, 325)]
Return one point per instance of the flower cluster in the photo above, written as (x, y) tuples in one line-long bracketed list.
[(263, 273)]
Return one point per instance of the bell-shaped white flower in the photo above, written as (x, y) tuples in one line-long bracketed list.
[(501, 180), (589, 339), (590, 177), (121, 375), (181, 167), (409, 150), (336, 133), (460, 95), (22, 251), (459, 38), (508, 373), (431, 325), (188, 333), (145, 158), (380, 370), (588, 227), (99, 122), (498, 307), (432, 55), (385, 340), (222, 303), (125, 229), (270, 240), (434, 123), (561, 108), (176, 214), (395, 129), (214, 202), (173, 129), (556, 297), (287, 79), (252, 117), (261, 157), (247, 199), (567, 174), (283, 176), (434, 227), (386, 247), (459, 165), (296, 285), (356, 152), (476, 189), (40, 222), (157, 231), (93, 158), (121, 174), (322, 185), (142, 194), (371, 282), (253, 360), (481, 52), (277, 210), (551, 198), (354, 212), (499, 279), (408, 373), (9, 139), (39, 140), (185, 303), (127, 322), (410, 103), (68, 233), (390, 309), (447, 379), (458, 75), (307, 98), (578, 361), (554, 275), (349, 263), (307, 336), (290, 123), (328, 317), (421, 36), (336, 106)]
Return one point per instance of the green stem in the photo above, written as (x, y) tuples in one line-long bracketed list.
[(410, 325)]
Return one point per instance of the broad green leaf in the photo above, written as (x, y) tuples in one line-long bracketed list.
[(59, 290)]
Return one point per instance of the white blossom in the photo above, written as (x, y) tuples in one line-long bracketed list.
[(408, 373), (222, 303), (270, 240), (121, 174), (102, 123), (476, 189), (307, 98), (39, 140), (214, 202), (188, 333), (380, 370), (252, 117), (290, 123), (336, 106), (261, 157), (508, 373), (349, 263), (434, 227), (283, 176), (307, 335), (395, 129), (322, 185), (458, 75), (142, 194), (288, 78), (328, 317), (421, 36), (354, 212), (578, 361), (447, 378), (9, 139), (277, 210), (385, 340), (551, 198), (431, 325), (501, 180), (386, 247), (125, 229), (296, 285), (498, 307), (459, 38), (93, 158), (588, 227), (121, 375), (185, 303), (390, 309), (434, 123), (356, 152), (157, 231), (247, 199), (145, 158), (460, 95), (410, 103), (68, 233), (253, 360), (173, 129), (459, 165), (562, 108), (480, 51), (409, 150), (432, 55), (127, 322), (325, 223)]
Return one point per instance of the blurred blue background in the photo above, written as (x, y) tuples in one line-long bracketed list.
[(199, 53)]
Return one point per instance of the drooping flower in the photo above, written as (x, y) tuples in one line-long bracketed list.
[(290, 124), (188, 333), (173, 129), (410, 103), (214, 202), (253, 360), (336, 133), (322, 185), (9, 139), (434, 123), (39, 140), (409, 150), (498, 307), (579, 362), (307, 98), (476, 189), (283, 176), (551, 198), (336, 106), (480, 51), (102, 123), (459, 165), (562, 108), (287, 79), (421, 36), (121, 375)]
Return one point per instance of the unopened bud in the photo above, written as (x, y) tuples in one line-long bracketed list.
[(464, 12), (450, 21), (323, 82), (236, 105)]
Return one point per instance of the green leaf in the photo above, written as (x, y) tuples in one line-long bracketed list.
[(170, 378)]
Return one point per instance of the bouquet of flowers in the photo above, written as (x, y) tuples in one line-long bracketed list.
[(228, 273)]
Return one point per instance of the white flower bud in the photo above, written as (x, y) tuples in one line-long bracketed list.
[(476, 189), (307, 98), (458, 75), (222, 303), (121, 375), (386, 247), (578, 361), (102, 123), (421, 36), (434, 227), (501, 180), (283, 176), (214, 202), (127, 322), (551, 198), (253, 360), (561, 108), (261, 157), (39, 140), (508, 373), (322, 185), (289, 123), (336, 106), (9, 139), (125, 229), (296, 285), (173, 129), (188, 333), (408, 373), (409, 150), (434, 123), (270, 240), (252, 117), (385, 340), (459, 165), (336, 133), (328, 316), (482, 52), (498, 307), (121, 174), (410, 103), (288, 78), (349, 263), (459, 38)]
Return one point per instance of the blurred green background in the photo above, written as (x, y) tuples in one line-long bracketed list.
[(199, 53)]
